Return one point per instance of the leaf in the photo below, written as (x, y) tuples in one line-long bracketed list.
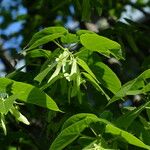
[(28, 93), (73, 129), (99, 6), (133, 87), (131, 139), (45, 72), (80, 32), (2, 117), (44, 40), (79, 81), (69, 38), (15, 73), (47, 31), (125, 120), (95, 84), (45, 86), (86, 12), (86, 68), (97, 145), (84, 54), (38, 53), (68, 135), (4, 85), (19, 116), (74, 70), (132, 42), (7, 104), (143, 90), (56, 72), (101, 44), (106, 77), (75, 118)]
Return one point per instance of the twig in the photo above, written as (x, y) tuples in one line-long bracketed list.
[(4, 58)]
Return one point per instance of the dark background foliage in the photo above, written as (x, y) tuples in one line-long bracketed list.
[(20, 19)]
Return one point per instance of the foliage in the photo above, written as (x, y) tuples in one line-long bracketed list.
[(66, 78), (84, 86)]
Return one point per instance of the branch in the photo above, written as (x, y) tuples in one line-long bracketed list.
[(6, 61), (138, 7)]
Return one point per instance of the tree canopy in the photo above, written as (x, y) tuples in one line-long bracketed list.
[(74, 74)]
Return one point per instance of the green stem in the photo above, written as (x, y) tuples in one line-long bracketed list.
[(87, 137), (79, 52), (94, 132), (59, 45)]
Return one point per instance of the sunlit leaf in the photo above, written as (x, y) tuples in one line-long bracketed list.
[(38, 53), (15, 112), (86, 68), (2, 118), (69, 38), (80, 32), (106, 77), (133, 87), (101, 44), (72, 130), (7, 104), (95, 84), (45, 72), (28, 93), (44, 40), (131, 139), (47, 31), (125, 120)]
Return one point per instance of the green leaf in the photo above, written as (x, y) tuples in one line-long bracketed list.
[(99, 7), (97, 145), (86, 11), (80, 32), (133, 87), (101, 44), (44, 40), (2, 118), (84, 54), (15, 112), (69, 38), (75, 118), (56, 72), (68, 135), (71, 130), (95, 84), (15, 73), (106, 77), (39, 53), (7, 104), (28, 93), (79, 81), (73, 127), (5, 85), (143, 90), (45, 86), (125, 120), (132, 42), (47, 31), (45, 72), (131, 139), (86, 68)]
